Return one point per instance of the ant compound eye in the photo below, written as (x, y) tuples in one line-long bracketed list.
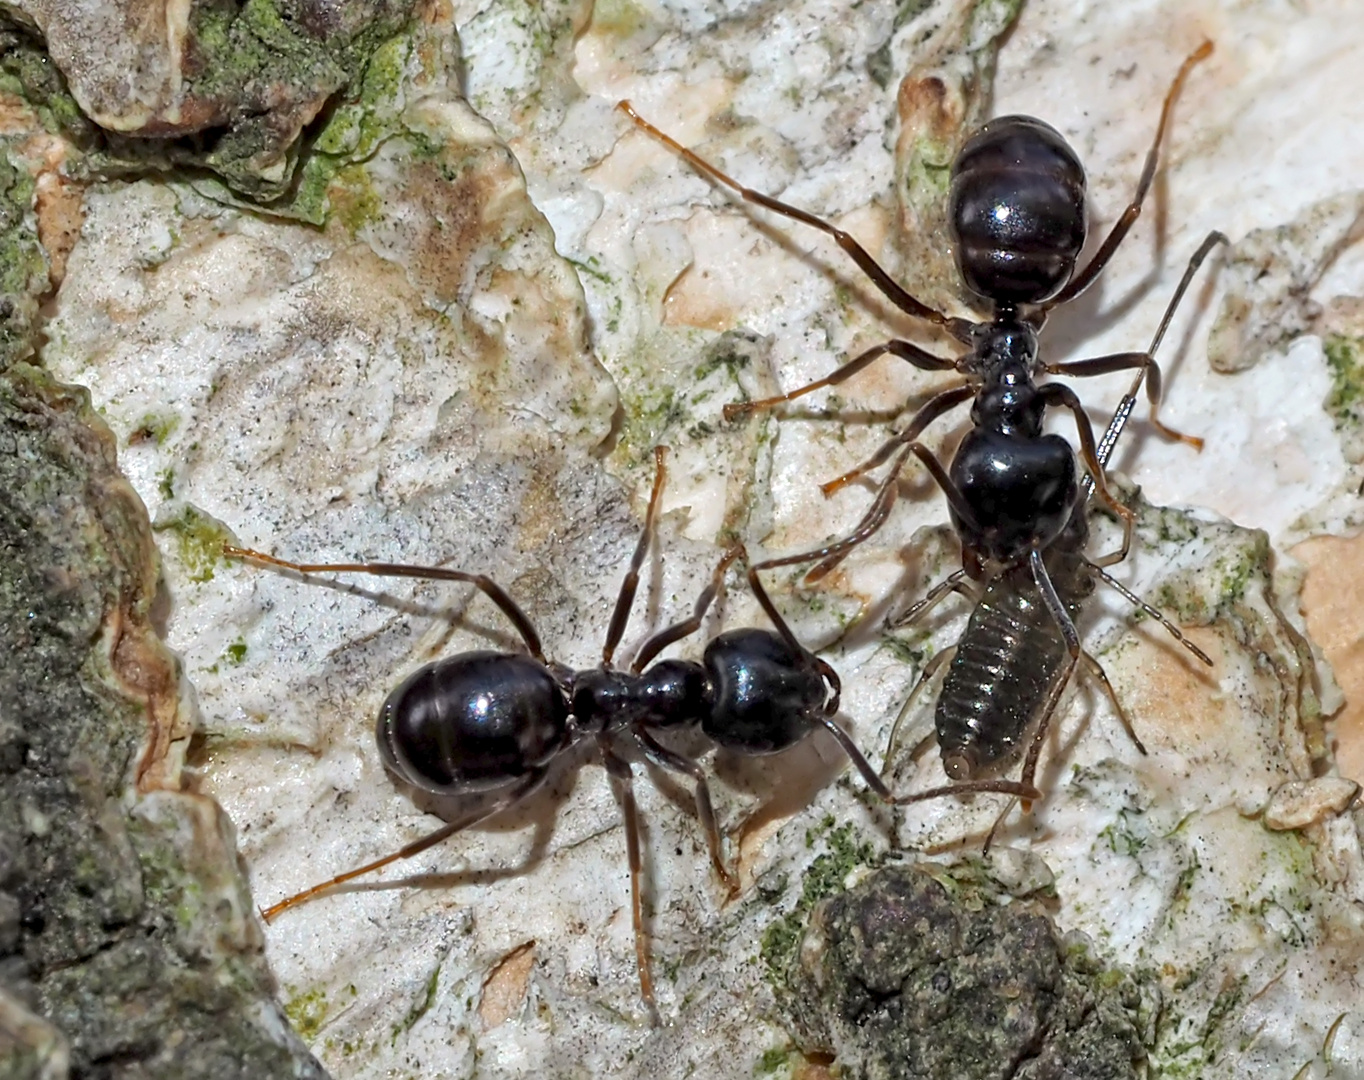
[(1017, 210)]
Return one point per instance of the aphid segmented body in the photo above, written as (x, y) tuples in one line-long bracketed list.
[(491, 724), (1014, 493)]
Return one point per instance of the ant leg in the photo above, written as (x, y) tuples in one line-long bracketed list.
[(484, 584), (1058, 395), (1085, 277), (832, 554), (705, 808), (1096, 669), (1136, 601), (893, 292), (934, 408), (626, 598), (920, 358), (1105, 365), (678, 630), (1146, 361), (623, 776), (527, 785)]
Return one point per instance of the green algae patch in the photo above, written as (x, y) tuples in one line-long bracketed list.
[(23, 265), (199, 538)]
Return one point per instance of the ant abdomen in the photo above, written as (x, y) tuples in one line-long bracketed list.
[(1017, 210), (472, 723), (765, 696)]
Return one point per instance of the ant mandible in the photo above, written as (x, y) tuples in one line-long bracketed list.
[(491, 724)]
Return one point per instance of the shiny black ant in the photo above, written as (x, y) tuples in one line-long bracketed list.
[(490, 724), (1018, 224)]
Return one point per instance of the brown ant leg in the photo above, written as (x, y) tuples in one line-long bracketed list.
[(1082, 280), (883, 281), (626, 597), (484, 584), (1146, 362), (678, 630), (920, 358), (623, 776), (935, 407), (705, 808), (520, 791), (833, 553)]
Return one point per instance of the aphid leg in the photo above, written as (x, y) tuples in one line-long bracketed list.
[(1085, 277), (954, 582), (934, 408), (920, 358), (623, 779), (705, 808), (1096, 669), (522, 789), (678, 630), (484, 584), (626, 597), (883, 281), (1136, 601), (935, 663), (1055, 394)]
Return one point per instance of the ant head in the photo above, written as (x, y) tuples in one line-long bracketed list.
[(1017, 211)]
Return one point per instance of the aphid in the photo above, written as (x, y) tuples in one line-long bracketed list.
[(1018, 223), (491, 724)]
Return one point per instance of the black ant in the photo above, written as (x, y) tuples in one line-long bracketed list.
[(1018, 224), (491, 724)]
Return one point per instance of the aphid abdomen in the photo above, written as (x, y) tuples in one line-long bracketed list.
[(998, 680)]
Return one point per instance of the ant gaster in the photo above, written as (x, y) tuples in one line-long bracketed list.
[(492, 723), (1018, 224)]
